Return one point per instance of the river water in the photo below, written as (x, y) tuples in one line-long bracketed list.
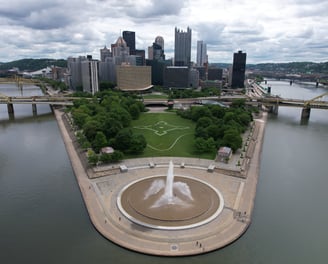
[(43, 218)]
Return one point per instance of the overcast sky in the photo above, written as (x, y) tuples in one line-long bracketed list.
[(268, 30)]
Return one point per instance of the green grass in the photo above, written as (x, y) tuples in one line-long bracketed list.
[(167, 135)]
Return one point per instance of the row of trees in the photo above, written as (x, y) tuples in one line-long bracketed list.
[(105, 121), (217, 126), (191, 93)]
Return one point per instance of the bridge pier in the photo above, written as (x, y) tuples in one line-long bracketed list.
[(10, 108), (274, 109), (34, 109), (306, 113)]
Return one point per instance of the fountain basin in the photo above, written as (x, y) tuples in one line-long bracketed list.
[(204, 206)]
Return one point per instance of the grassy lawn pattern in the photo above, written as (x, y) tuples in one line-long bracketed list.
[(167, 135), (161, 128)]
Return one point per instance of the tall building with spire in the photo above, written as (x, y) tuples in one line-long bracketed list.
[(120, 49), (201, 53), (182, 47)]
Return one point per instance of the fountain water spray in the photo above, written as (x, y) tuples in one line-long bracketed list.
[(168, 192), (183, 198)]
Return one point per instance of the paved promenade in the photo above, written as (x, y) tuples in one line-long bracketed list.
[(239, 192)]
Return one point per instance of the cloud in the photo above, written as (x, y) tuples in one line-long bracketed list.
[(266, 30), (155, 9)]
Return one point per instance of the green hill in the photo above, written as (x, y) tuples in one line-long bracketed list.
[(32, 64)]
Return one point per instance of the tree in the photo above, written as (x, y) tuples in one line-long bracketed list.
[(200, 145), (111, 127), (79, 117), (92, 157), (200, 111), (90, 128), (137, 144), (117, 156), (232, 139), (99, 142), (217, 111), (105, 85), (134, 111), (204, 122), (215, 131), (238, 103), (123, 139), (245, 118), (204, 145)]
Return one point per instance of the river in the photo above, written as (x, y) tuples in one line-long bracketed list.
[(43, 218)]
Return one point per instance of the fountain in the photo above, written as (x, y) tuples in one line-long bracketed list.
[(168, 193), (170, 202)]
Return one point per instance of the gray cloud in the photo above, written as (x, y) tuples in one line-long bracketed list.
[(155, 9), (268, 30)]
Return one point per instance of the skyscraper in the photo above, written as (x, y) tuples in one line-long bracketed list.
[(201, 53), (160, 41), (182, 47), (120, 49), (156, 51), (89, 69), (238, 70), (130, 39), (104, 53)]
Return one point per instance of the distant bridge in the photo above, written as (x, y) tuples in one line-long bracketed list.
[(271, 102), (19, 81), (34, 100)]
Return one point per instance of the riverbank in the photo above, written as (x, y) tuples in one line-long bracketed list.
[(100, 196)]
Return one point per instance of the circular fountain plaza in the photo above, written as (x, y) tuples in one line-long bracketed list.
[(168, 209), (170, 203)]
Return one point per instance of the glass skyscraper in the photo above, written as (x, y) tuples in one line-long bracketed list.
[(130, 39), (238, 70), (201, 53)]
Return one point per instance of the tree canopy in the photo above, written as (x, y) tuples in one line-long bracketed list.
[(105, 120), (217, 126)]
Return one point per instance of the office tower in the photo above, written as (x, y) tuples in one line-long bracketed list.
[(201, 53), (214, 73), (202, 72), (180, 77), (150, 53), (160, 41), (238, 70), (157, 70), (130, 39), (140, 57), (107, 70), (120, 49), (74, 72), (105, 53), (158, 52), (89, 69), (182, 47)]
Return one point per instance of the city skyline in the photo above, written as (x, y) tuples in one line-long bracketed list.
[(270, 31)]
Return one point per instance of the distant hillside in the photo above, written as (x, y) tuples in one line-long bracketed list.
[(32, 64), (291, 67)]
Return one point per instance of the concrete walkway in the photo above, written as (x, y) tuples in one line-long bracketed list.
[(100, 196)]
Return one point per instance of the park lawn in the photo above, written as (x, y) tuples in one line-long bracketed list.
[(168, 135)]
